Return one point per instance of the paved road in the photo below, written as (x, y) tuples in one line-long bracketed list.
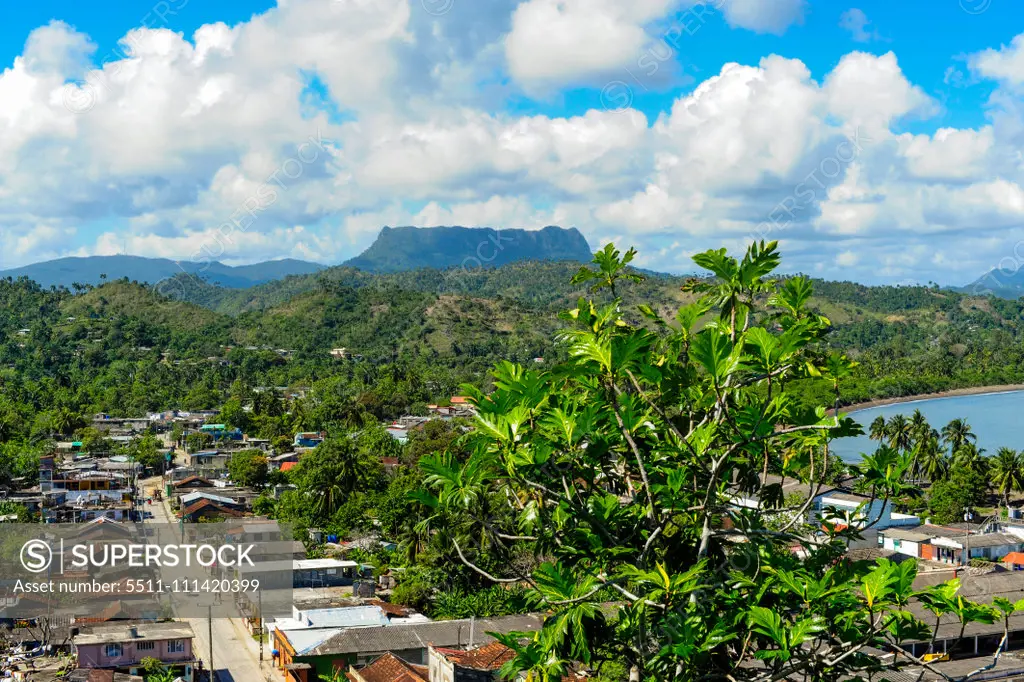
[(234, 650)]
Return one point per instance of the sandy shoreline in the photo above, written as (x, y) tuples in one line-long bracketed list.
[(975, 390)]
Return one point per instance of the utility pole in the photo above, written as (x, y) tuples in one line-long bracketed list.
[(209, 625), (260, 607), (967, 544)]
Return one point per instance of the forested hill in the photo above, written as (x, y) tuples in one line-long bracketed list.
[(127, 348)]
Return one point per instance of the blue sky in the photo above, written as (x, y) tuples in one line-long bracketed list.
[(518, 113), (107, 22), (929, 37)]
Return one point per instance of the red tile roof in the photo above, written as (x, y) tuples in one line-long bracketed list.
[(191, 480), (393, 610), (390, 668), (212, 506), (288, 466), (488, 657)]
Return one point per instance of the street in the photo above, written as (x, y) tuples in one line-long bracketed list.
[(235, 652)]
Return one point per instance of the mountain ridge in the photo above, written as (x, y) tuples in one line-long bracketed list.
[(91, 269), (404, 248), (997, 282)]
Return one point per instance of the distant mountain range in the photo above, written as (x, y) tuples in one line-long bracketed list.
[(398, 249), (88, 270), (1001, 283)]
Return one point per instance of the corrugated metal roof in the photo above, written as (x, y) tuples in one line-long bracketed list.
[(908, 535), (450, 633), (192, 497)]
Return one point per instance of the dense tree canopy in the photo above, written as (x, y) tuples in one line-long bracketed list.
[(620, 471)]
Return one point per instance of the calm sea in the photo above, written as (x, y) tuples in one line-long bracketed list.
[(997, 419)]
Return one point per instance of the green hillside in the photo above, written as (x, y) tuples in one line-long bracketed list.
[(127, 348)]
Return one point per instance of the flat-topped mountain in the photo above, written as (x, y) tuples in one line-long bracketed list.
[(409, 248)]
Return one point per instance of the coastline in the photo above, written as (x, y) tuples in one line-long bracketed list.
[(952, 393)]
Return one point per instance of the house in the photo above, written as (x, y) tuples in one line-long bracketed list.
[(961, 547), (288, 466), (255, 530), (903, 540), (304, 573), (96, 675), (278, 461), (208, 510), (120, 464), (949, 544), (207, 459), (1014, 561), (123, 425), (257, 443), (193, 482), (92, 486), (389, 668), (356, 647), (122, 647), (221, 432), (306, 630), (327, 623), (193, 497), (845, 509), (339, 353), (775, 490), (308, 439), (475, 665), (85, 509)]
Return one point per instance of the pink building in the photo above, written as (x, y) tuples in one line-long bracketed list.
[(123, 646)]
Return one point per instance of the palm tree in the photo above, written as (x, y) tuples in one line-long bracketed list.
[(328, 498), (1007, 472), (969, 456), (931, 460), (919, 425), (900, 433), (877, 430), (957, 433), (65, 421)]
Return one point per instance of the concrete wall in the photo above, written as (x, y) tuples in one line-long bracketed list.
[(95, 655)]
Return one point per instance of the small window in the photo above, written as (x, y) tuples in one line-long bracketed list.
[(114, 651), (175, 646), (145, 646)]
